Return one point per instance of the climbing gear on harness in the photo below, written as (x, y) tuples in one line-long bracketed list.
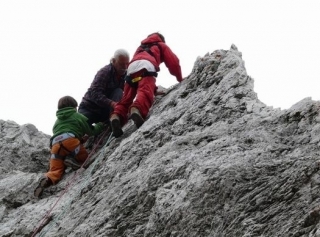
[(136, 117), (43, 183), (71, 153), (61, 138), (72, 162), (116, 125), (134, 78)]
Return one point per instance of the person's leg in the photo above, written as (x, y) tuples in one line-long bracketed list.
[(117, 95), (56, 170), (92, 117), (77, 153), (58, 154), (105, 115), (57, 163), (119, 116), (145, 95), (82, 154), (76, 161), (122, 107)]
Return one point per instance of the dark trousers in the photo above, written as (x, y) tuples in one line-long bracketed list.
[(96, 115)]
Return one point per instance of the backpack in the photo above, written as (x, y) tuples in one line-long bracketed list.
[(147, 48)]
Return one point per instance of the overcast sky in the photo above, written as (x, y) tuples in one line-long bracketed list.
[(52, 48)]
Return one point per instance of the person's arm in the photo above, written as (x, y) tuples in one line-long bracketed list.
[(87, 129), (172, 62), (99, 86)]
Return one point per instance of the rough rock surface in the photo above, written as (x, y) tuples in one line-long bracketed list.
[(211, 160), (22, 148)]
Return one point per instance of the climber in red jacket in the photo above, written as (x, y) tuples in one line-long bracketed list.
[(141, 81)]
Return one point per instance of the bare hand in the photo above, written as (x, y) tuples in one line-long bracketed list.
[(113, 104)]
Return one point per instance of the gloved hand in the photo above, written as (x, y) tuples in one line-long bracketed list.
[(113, 104), (99, 126)]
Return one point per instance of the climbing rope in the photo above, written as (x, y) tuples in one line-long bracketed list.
[(48, 217)]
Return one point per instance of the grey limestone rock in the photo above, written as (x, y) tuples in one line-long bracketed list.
[(211, 160)]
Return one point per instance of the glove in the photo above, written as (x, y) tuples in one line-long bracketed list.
[(113, 104), (99, 126)]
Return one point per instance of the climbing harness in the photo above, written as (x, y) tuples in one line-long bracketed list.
[(136, 77), (59, 139)]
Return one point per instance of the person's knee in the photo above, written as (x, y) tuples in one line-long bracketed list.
[(117, 94)]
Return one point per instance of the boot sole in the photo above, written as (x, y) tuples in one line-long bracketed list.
[(88, 163), (116, 128), (40, 188), (137, 119)]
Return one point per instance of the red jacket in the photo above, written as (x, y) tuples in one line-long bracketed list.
[(156, 57)]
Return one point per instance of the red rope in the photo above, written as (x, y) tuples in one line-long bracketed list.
[(47, 216)]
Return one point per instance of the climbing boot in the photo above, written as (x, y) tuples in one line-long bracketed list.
[(116, 125), (70, 161), (43, 183), (90, 142), (136, 117)]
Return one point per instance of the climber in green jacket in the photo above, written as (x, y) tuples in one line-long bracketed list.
[(66, 144)]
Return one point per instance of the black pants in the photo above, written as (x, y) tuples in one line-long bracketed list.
[(96, 115)]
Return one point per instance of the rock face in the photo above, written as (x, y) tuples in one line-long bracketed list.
[(211, 160), (22, 148)]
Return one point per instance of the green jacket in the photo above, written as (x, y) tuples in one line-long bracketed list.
[(69, 120)]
